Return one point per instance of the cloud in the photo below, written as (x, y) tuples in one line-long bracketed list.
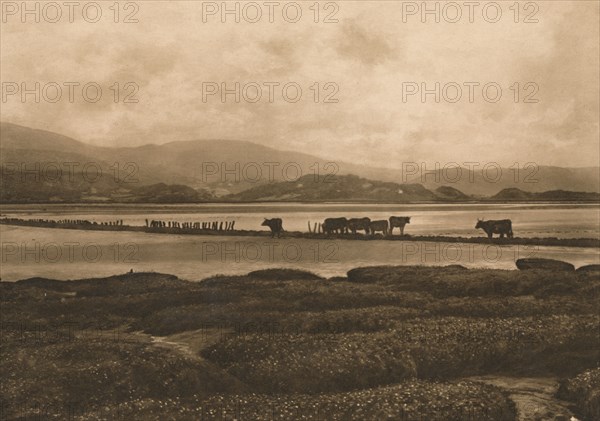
[(367, 56), (362, 44)]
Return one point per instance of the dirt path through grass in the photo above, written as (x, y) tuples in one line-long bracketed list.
[(190, 343), (187, 345), (534, 397)]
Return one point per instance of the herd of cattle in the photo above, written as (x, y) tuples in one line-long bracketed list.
[(344, 225), (386, 227), (329, 227)]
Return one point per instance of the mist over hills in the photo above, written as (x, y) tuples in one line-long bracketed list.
[(219, 169), (487, 181)]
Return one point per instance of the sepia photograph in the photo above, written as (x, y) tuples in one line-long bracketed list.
[(312, 210)]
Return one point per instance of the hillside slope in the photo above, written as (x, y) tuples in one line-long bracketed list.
[(230, 166), (537, 179), (226, 168), (343, 188), (518, 195)]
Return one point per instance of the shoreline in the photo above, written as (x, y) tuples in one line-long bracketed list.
[(567, 203), (536, 241)]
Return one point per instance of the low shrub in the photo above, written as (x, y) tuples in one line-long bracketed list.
[(407, 401), (584, 391), (283, 274)]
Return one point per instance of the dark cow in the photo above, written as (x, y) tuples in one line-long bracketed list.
[(275, 224), (335, 225), (400, 222), (502, 227), (382, 226), (355, 224)]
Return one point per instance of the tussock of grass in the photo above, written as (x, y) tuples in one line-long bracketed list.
[(368, 346), (414, 400), (98, 372), (283, 274), (584, 390), (435, 347), (589, 268), (456, 281)]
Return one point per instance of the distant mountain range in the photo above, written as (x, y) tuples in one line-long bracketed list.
[(524, 176), (351, 188), (41, 166), (517, 195)]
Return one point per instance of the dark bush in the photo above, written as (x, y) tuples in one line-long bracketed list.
[(283, 274), (544, 264)]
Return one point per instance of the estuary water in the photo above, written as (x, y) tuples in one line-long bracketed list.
[(73, 254)]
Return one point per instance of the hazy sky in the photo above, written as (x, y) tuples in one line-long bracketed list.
[(374, 53)]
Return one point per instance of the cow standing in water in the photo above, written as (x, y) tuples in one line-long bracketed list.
[(355, 224), (335, 226), (382, 226), (400, 222), (275, 224), (502, 227)]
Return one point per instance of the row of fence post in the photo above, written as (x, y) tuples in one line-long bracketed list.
[(213, 225), (317, 227)]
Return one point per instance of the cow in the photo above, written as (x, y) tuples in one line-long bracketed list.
[(335, 225), (502, 227), (355, 224), (400, 222), (382, 226), (275, 224)]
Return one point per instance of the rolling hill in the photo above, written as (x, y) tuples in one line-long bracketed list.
[(339, 188), (23, 187), (224, 169), (517, 195), (533, 178)]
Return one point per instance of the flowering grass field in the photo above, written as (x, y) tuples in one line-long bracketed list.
[(391, 343)]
